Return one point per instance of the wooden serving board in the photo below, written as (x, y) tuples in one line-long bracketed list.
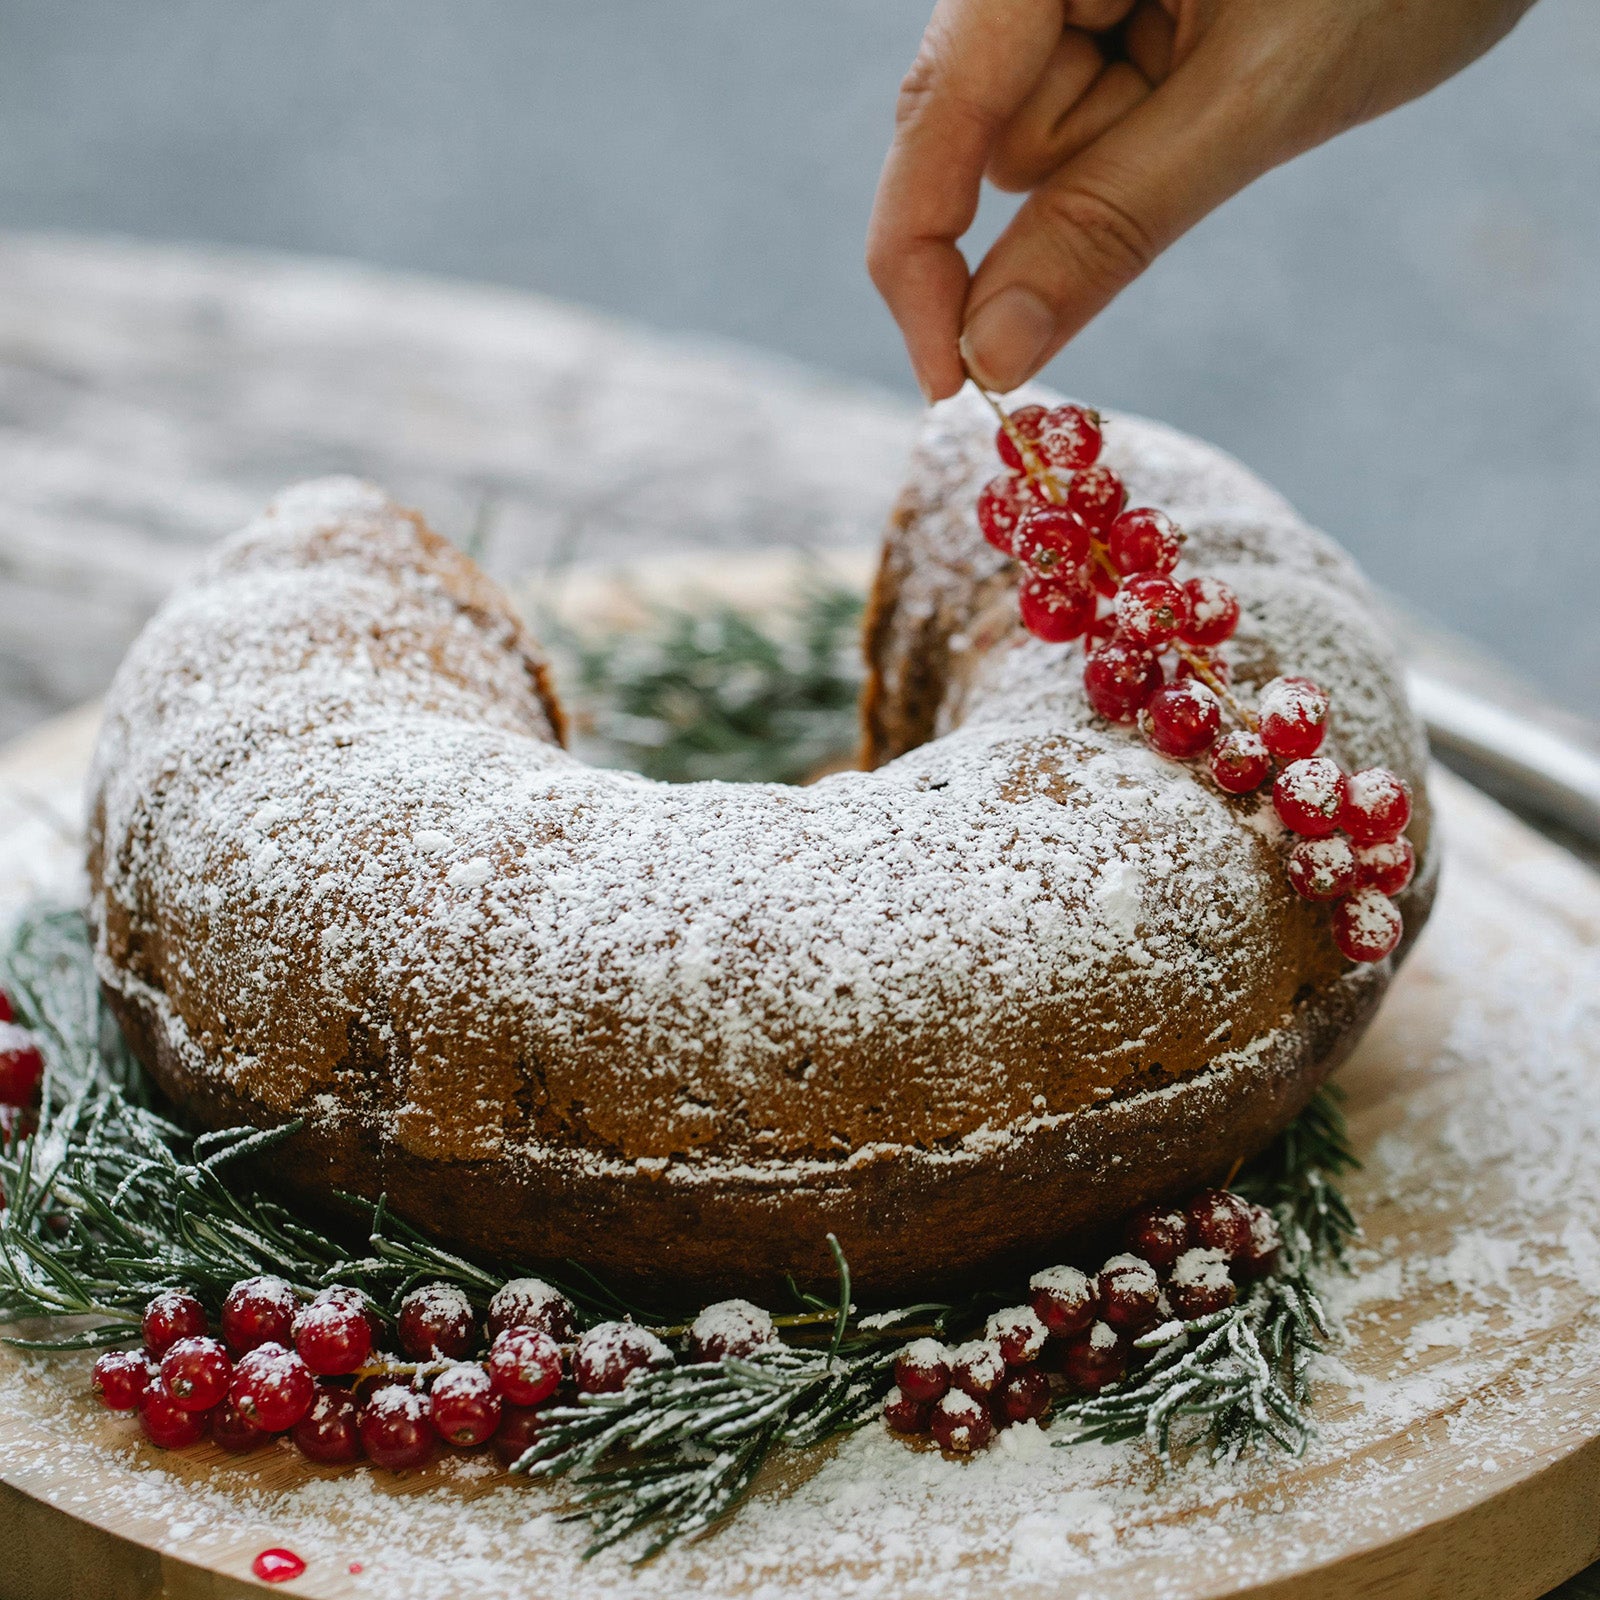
[(1460, 1415)]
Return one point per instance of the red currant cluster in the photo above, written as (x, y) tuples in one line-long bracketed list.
[(315, 1370), (1095, 569), (21, 1075), (1076, 1334)]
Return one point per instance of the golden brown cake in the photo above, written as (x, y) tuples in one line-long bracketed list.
[(957, 1009)]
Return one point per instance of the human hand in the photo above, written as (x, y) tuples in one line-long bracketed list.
[(1125, 121)]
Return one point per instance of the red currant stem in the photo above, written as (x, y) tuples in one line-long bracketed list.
[(402, 1369), (1048, 484), (1201, 668)]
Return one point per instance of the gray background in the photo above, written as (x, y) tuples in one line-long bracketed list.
[(1402, 329)]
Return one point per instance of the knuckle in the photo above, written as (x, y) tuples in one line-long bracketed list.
[(1103, 235)]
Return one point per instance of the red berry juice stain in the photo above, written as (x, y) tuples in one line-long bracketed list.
[(277, 1566)]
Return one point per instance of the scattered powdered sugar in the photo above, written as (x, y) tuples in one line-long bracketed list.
[(1068, 1282), (1201, 1269)]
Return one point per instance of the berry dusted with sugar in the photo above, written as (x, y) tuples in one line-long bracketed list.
[(330, 1432), (1025, 424), (1097, 495), (1200, 1284), (1069, 437), (437, 1321), (166, 1423), (258, 1311), (1220, 1220), (1001, 506), (1050, 542), (1213, 612), (1063, 1299), (922, 1369), (21, 1066), (731, 1328), (120, 1379), (465, 1405), (1366, 925), (171, 1316), (397, 1430), (1119, 678), (1129, 1291), (332, 1334), (235, 1432), (1182, 720), (961, 1424), (905, 1415), (533, 1303), (1144, 540), (1388, 868), (1019, 1332), (607, 1356), (1293, 717), (1240, 762), (273, 1387), (196, 1373), (1023, 1395), (1151, 610), (519, 1430), (1323, 869), (525, 1365), (977, 1367), (1261, 1259), (1308, 796), (8, 1010), (1158, 1234), (1377, 806), (1056, 612), (1095, 1359)]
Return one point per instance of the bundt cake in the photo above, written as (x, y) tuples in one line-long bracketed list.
[(1017, 976)]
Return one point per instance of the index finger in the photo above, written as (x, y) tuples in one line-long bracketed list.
[(977, 62)]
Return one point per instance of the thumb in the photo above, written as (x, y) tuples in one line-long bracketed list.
[(1100, 219)]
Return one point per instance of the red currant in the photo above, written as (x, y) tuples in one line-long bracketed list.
[(1261, 1259), (397, 1429), (1001, 505), (961, 1424), (437, 1321), (1023, 1395), (1095, 1359), (731, 1328), (1144, 540), (1025, 423), (8, 1011), (1377, 806), (525, 1365), (1069, 437), (258, 1311), (1213, 612), (1050, 542), (1151, 610), (1063, 1299), (121, 1378), (171, 1316), (1105, 584), (1309, 796), (332, 1334), (1055, 611), (272, 1387), (1387, 868), (1323, 869), (166, 1423), (1019, 1333), (1182, 719), (1293, 717), (1158, 1234), (1220, 1220), (1367, 925), (977, 1367), (234, 1432), (533, 1303), (1097, 495), (1129, 1291), (922, 1369), (1200, 1283), (1240, 762), (466, 1407), (607, 1356), (519, 1430), (330, 1432), (904, 1414), (196, 1373), (21, 1066), (1119, 678)]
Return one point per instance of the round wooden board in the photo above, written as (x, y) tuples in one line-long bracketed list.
[(1460, 1414)]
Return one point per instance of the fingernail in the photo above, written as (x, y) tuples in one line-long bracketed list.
[(1008, 338)]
